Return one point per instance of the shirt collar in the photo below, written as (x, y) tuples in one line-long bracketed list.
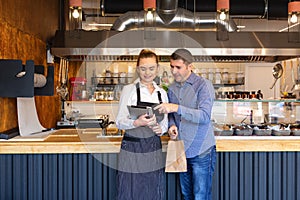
[(190, 80), (142, 85)]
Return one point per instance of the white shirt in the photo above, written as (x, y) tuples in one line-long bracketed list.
[(129, 97)]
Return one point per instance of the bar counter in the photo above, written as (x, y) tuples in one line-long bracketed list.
[(69, 164), (75, 141)]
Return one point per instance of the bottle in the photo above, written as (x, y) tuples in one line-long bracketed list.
[(259, 95), (252, 95)]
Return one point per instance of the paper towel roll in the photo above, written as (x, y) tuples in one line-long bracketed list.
[(28, 119), (39, 80)]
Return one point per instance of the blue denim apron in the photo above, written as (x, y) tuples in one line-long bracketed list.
[(140, 173)]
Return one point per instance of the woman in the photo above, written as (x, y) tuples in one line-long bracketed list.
[(140, 173)]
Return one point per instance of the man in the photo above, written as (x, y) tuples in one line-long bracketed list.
[(190, 103)]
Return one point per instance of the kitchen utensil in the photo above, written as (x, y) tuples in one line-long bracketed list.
[(293, 76), (277, 73)]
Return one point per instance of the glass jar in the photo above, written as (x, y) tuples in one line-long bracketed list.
[(203, 73), (122, 78), (210, 75), (115, 79), (107, 77), (232, 78), (110, 95), (240, 77), (218, 77), (102, 95), (225, 77)]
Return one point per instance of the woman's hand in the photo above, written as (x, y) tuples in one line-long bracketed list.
[(144, 120), (173, 132), (156, 129)]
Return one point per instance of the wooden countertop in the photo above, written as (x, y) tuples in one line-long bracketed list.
[(74, 141)]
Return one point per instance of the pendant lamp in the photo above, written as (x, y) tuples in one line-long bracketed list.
[(223, 20)]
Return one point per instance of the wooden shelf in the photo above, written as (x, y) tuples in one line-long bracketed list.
[(227, 85)]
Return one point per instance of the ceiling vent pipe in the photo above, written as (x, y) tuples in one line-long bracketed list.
[(168, 16)]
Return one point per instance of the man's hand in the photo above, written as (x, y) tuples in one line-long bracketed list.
[(173, 132), (166, 108)]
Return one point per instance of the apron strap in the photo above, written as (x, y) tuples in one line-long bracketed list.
[(138, 93), (159, 97)]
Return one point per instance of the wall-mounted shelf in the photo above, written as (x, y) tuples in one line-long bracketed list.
[(227, 85), (112, 81)]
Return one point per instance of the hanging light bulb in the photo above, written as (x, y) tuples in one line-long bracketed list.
[(149, 18), (149, 15), (293, 21), (149, 8), (223, 20), (222, 16), (294, 18), (75, 14)]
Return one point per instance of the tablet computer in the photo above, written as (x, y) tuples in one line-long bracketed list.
[(136, 111)]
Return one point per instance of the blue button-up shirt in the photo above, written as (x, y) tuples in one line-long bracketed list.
[(195, 99)]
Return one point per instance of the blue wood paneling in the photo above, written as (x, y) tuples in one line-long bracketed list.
[(238, 175)]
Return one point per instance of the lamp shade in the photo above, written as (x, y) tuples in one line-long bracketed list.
[(294, 6), (222, 5), (149, 4), (293, 21), (75, 3), (223, 18)]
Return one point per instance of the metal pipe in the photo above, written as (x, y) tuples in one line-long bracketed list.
[(182, 19)]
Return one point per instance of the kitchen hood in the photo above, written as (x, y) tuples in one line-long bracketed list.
[(109, 45)]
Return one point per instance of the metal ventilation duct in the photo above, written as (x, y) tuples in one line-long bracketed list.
[(182, 20), (168, 16)]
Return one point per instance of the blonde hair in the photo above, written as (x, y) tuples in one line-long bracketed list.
[(146, 53)]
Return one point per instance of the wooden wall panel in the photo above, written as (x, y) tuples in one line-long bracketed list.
[(36, 17), (25, 28)]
